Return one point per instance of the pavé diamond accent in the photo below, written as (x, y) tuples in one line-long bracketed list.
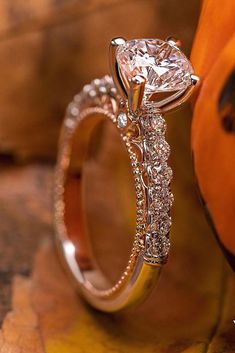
[(122, 120), (163, 65), (156, 247), (159, 174), (153, 200)]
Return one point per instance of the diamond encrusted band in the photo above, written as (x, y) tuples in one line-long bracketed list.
[(138, 117), (152, 175)]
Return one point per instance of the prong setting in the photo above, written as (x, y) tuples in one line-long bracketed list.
[(195, 79), (136, 92), (143, 68), (114, 44), (174, 41)]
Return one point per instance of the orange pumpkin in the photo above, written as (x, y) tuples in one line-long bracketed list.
[(213, 128)]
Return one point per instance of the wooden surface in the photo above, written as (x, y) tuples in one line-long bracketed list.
[(213, 128), (25, 218), (50, 49)]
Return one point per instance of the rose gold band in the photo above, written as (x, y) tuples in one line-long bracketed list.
[(140, 276)]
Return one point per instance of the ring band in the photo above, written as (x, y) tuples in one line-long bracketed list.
[(130, 101)]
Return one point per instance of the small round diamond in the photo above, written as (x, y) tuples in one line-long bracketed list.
[(161, 174), (161, 150), (154, 124), (69, 123), (159, 207), (73, 109), (122, 120), (162, 246), (165, 225), (158, 124)]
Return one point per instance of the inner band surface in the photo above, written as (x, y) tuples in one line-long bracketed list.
[(98, 212)]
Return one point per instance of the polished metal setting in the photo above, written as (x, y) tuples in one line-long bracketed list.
[(136, 93), (114, 44), (139, 118), (174, 41)]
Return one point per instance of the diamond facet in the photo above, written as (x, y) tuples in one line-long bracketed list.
[(163, 65)]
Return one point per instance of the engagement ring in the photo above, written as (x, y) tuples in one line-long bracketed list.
[(149, 77)]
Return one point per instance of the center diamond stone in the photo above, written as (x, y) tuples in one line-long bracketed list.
[(163, 65)]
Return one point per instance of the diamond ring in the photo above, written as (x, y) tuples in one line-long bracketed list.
[(149, 77)]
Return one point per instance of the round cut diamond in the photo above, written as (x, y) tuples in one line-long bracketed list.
[(122, 120), (163, 65)]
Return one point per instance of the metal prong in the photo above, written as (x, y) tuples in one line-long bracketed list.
[(174, 41), (136, 92), (115, 42), (195, 79)]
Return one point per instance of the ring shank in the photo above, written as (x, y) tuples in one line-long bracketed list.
[(73, 236), (140, 284)]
